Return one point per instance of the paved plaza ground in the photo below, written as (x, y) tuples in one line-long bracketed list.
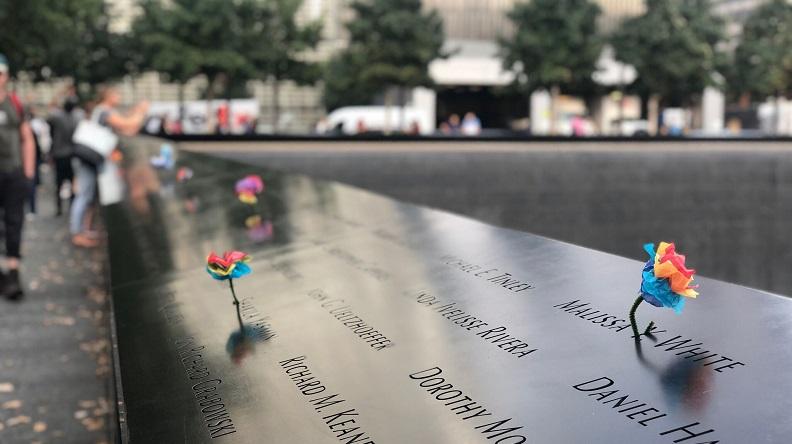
[(55, 368)]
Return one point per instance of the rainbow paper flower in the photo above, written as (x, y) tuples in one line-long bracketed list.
[(259, 230), (666, 283), (184, 174), (248, 187), (232, 265), (666, 280)]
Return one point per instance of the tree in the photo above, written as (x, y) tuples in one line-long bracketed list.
[(391, 43), (184, 38), (67, 38), (673, 48), (275, 45), (763, 58), (342, 85), (554, 46)]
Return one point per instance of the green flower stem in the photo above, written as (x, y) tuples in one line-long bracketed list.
[(632, 316), (634, 325), (233, 293), (239, 318)]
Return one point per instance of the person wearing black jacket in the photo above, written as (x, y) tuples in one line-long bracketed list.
[(62, 124)]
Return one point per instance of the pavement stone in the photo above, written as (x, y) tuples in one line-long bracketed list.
[(55, 368)]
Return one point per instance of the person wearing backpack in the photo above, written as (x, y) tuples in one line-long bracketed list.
[(17, 157), (62, 124)]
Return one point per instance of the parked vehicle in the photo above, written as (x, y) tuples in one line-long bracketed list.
[(363, 119)]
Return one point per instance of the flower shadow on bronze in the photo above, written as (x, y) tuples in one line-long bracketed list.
[(242, 341), (683, 382)]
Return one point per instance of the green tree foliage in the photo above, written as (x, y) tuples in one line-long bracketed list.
[(66, 38), (342, 82), (275, 45), (763, 59), (673, 48), (391, 45), (555, 44), (184, 38), (228, 41)]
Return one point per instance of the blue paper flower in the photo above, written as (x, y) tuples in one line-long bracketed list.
[(657, 291)]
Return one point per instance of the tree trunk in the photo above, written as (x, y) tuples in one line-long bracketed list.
[(275, 105), (653, 114), (401, 110), (554, 93), (528, 112), (388, 105), (211, 125), (181, 105), (644, 106), (777, 119)]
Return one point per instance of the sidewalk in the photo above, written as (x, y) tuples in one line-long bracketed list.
[(55, 371)]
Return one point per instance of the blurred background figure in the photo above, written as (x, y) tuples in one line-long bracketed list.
[(17, 165), (471, 125), (62, 122), (106, 113), (41, 142), (454, 123)]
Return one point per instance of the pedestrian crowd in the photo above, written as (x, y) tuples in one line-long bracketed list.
[(60, 138)]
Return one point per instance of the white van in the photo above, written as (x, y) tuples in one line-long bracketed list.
[(352, 119)]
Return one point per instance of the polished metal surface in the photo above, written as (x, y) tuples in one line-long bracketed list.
[(730, 202), (405, 314)]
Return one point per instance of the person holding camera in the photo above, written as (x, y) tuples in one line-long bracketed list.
[(106, 114)]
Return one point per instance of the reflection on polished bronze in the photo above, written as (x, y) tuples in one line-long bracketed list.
[(502, 341), (683, 381), (242, 342)]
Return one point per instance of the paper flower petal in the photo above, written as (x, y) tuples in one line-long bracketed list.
[(232, 265), (665, 278)]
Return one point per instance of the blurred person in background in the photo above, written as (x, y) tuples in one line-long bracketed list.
[(223, 121), (41, 142), (578, 126), (17, 152), (106, 113), (454, 123), (63, 122), (471, 125)]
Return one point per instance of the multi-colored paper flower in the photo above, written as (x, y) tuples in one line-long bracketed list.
[(666, 279), (184, 174), (258, 229), (248, 188), (232, 265)]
